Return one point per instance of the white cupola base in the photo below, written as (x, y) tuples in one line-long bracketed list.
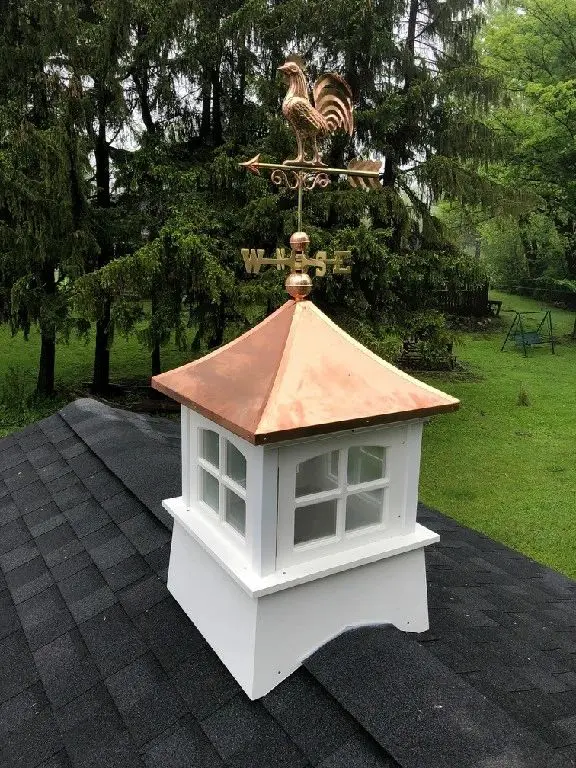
[(263, 628)]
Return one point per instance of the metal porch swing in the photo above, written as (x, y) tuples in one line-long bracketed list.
[(527, 332)]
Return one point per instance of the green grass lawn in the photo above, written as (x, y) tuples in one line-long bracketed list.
[(129, 361), (503, 468), (506, 469)]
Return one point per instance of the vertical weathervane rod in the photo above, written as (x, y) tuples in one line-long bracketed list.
[(300, 196)]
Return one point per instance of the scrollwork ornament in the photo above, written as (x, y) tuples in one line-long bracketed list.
[(282, 178), (312, 180)]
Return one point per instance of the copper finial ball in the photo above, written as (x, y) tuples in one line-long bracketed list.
[(298, 285), (299, 241)]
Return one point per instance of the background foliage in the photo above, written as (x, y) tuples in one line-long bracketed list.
[(122, 123)]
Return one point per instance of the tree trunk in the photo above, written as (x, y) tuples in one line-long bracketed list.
[(101, 375), (218, 327), (205, 120), (156, 361), (45, 382), (217, 133), (399, 139)]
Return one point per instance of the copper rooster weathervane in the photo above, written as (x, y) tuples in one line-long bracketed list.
[(330, 111)]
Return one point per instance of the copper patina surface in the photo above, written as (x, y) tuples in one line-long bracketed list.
[(298, 374)]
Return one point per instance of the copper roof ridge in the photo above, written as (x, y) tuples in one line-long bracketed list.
[(298, 308)]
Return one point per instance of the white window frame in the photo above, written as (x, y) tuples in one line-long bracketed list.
[(394, 441), (224, 481), (258, 546)]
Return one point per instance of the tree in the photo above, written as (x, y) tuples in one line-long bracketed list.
[(43, 223), (420, 92), (532, 50), (174, 95)]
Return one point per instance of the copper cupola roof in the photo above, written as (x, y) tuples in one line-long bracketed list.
[(298, 374)]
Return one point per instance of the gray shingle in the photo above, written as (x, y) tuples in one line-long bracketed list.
[(246, 735), (143, 595), (86, 593), (43, 519), (13, 535), (17, 668), (359, 752), (66, 668), (11, 456), (108, 546), (87, 517), (102, 742), (43, 456), (31, 497), (36, 740), (59, 544), (19, 476), (126, 572), (19, 556), (145, 698), (71, 496), (21, 707), (8, 510), (145, 532), (324, 730), (44, 617), (181, 746), (9, 621), (112, 639), (28, 580)]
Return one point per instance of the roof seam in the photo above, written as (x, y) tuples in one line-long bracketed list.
[(280, 368)]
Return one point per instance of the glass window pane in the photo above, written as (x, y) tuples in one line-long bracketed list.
[(315, 521), (235, 464), (366, 463), (235, 511), (209, 447), (209, 489), (317, 474), (364, 508)]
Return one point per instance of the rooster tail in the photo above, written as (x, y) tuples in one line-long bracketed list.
[(333, 99)]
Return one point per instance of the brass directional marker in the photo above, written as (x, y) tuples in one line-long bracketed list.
[(254, 258), (331, 111)]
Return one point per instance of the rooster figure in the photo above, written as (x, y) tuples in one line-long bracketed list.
[(331, 111)]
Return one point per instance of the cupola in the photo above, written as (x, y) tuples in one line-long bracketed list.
[(297, 513)]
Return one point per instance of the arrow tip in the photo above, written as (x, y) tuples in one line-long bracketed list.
[(252, 164)]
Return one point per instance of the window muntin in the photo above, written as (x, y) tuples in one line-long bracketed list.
[(222, 480), (340, 493)]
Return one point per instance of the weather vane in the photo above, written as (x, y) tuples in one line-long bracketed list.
[(331, 111)]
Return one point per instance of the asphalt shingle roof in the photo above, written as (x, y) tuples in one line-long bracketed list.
[(100, 667)]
